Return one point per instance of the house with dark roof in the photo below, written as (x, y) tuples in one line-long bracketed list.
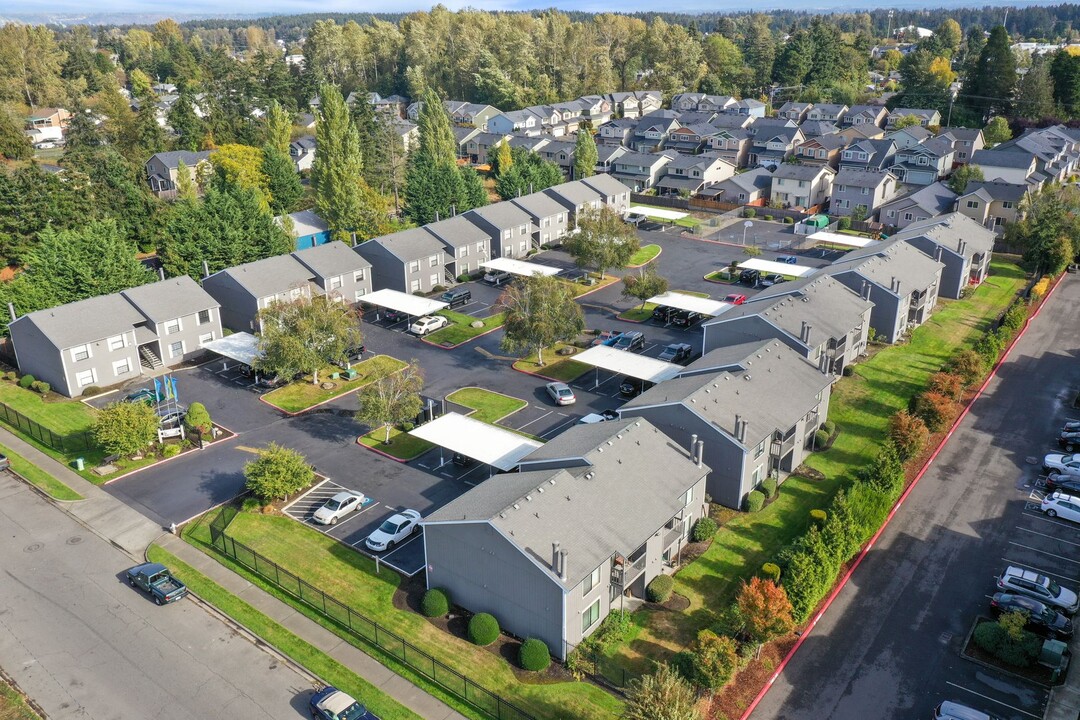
[(652, 130), (465, 245), (161, 170), (920, 204), (561, 153), (966, 142), (748, 188), (826, 111), (478, 146), (926, 117), (792, 110), (868, 154), (111, 339), (411, 261), (817, 317), (925, 163), (822, 150), (756, 406), (732, 144), (1011, 166), (803, 186), (617, 132), (508, 226), (961, 244), (606, 155), (773, 145), (909, 136), (612, 192), (690, 138), (592, 516), (861, 189), (817, 128), (1056, 150), (462, 135), (690, 174), (302, 152), (993, 203), (865, 115)]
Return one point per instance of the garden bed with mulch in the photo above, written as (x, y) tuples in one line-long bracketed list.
[(732, 701), (1036, 674)]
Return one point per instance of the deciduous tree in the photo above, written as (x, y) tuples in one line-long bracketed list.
[(604, 241), (125, 428), (278, 127), (540, 311), (962, 175), (277, 473), (646, 283), (306, 335), (997, 131), (764, 610), (392, 400), (585, 155), (663, 695)]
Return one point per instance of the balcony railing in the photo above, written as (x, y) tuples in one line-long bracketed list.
[(628, 572), (672, 536)]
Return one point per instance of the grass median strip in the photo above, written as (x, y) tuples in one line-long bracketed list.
[(13, 705), (460, 329), (555, 367), (403, 446), (35, 475), (301, 395), (486, 405), (643, 255), (283, 640)]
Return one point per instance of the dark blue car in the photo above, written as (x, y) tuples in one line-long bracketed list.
[(332, 704)]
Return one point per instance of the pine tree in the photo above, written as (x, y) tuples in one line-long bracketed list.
[(434, 187), (585, 155), (371, 136), (148, 137), (1065, 73), (14, 145), (1035, 94), (281, 180), (795, 60), (759, 49), (474, 193), (437, 143), (993, 78), (186, 124)]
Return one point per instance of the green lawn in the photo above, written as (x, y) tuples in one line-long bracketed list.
[(580, 288), (460, 329), (302, 394), (555, 367), (724, 276), (39, 477), (640, 313), (861, 406), (13, 705), (350, 577), (643, 255), (486, 406), (402, 445), (282, 639), (62, 416)]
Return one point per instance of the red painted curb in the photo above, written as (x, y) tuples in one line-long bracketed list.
[(870, 544)]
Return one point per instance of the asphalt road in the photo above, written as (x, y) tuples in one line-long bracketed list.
[(84, 644), (889, 645)]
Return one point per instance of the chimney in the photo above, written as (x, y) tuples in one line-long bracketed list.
[(562, 563), (11, 312), (963, 246), (700, 451), (892, 283), (693, 441), (802, 332), (897, 287), (555, 557), (436, 216), (205, 269), (809, 328)]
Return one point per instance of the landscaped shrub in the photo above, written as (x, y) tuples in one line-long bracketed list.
[(703, 529), (13, 376), (435, 603), (811, 569), (715, 659), (1015, 317), (769, 487), (829, 426), (968, 364), (994, 638), (198, 419), (534, 655), (934, 408), (659, 590), (843, 223), (170, 451), (818, 516), (755, 500), (948, 384), (908, 432), (990, 346), (848, 371), (770, 571), (26, 381), (40, 386), (750, 212), (91, 391), (483, 629), (789, 221), (768, 217), (886, 471), (821, 439)]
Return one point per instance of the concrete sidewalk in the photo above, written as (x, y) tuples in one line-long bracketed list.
[(132, 532)]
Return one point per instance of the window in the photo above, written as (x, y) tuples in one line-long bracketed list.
[(359, 294), (590, 582), (414, 266), (121, 367), (463, 251), (840, 188), (82, 352), (176, 348), (480, 247), (923, 160), (759, 449), (86, 377), (861, 156), (1006, 205), (433, 261), (821, 153), (434, 279), (999, 221), (203, 317), (892, 213), (507, 234), (974, 204), (523, 230), (907, 216), (546, 222), (961, 155), (802, 183), (755, 478), (116, 343), (172, 327), (414, 286), (358, 276), (866, 191), (334, 283), (590, 616), (742, 197)]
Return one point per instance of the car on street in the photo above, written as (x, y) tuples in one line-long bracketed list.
[(338, 507), (632, 387), (143, 395), (949, 710), (395, 529), (1061, 504), (1017, 580), (598, 417), (772, 279), (1041, 617), (686, 318), (663, 314), (1069, 440), (156, 581), (496, 277), (676, 353), (1061, 464), (428, 324), (456, 296), (332, 704), (606, 337), (736, 298), (633, 340), (750, 277), (561, 393)]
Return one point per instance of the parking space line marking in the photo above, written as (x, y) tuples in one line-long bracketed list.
[(555, 429), (309, 492), (987, 697), (354, 514), (1045, 519), (1034, 532), (1040, 570), (1053, 555), (522, 427)]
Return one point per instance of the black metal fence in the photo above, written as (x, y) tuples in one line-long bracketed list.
[(363, 627), (75, 442)]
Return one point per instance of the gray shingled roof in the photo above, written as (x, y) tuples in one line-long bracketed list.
[(269, 276), (502, 215), (331, 259), (411, 244), (790, 171), (894, 259), (577, 192), (998, 189), (172, 159), (1018, 159), (540, 205), (605, 185), (457, 231), (861, 177), (935, 198), (631, 483), (170, 299), (949, 230), (84, 321)]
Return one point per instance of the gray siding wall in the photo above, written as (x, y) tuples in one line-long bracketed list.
[(734, 332), (387, 271), (483, 572), (422, 276), (349, 285), (37, 356), (238, 308), (886, 317), (189, 334), (954, 276), (578, 601)]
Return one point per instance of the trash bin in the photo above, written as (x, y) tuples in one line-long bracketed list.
[(79, 464), (335, 376)]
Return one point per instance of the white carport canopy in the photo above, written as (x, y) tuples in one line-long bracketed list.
[(841, 239), (489, 444), (693, 303), (771, 267), (403, 302), (241, 347), (519, 267), (625, 362)]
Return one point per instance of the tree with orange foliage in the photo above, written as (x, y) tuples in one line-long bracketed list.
[(764, 609)]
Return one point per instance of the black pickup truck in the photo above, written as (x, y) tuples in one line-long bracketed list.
[(156, 580)]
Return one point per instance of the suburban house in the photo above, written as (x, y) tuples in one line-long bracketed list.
[(472, 114), (688, 102), (592, 516), (531, 143), (690, 139), (466, 245), (161, 170), (617, 132), (521, 121), (577, 197), (927, 118), (732, 144), (612, 192), (47, 124), (855, 188), (817, 128), (306, 227), (606, 155), (1012, 166), (409, 261), (868, 154), (329, 269), (772, 146), (756, 406), (561, 153), (855, 133), (899, 279), (726, 121), (689, 174), (816, 317), (910, 136), (966, 142), (478, 147), (832, 113), (652, 130), (748, 188), (921, 204), (822, 150), (110, 339), (960, 243), (406, 132), (302, 152), (865, 115), (462, 135), (635, 104), (597, 109), (925, 163), (794, 110), (993, 203), (1056, 150), (802, 186), (508, 227)]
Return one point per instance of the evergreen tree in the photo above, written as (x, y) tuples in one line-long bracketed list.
[(278, 127), (759, 49), (337, 173), (188, 126), (434, 186), (827, 66), (1035, 94), (437, 142), (1065, 74), (528, 173), (82, 133), (371, 135), (992, 81), (585, 155), (997, 131), (14, 145), (148, 137), (474, 192), (281, 180), (795, 60)]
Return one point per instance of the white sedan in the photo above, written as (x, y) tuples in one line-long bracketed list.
[(427, 324), (338, 507), (1056, 464), (393, 530)]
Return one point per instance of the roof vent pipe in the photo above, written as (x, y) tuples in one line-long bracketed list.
[(562, 563), (700, 451), (555, 557), (11, 312), (693, 442), (205, 269)]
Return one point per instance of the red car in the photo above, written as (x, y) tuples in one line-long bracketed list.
[(735, 299)]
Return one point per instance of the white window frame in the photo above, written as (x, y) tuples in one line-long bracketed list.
[(434, 279), (117, 342), (589, 612), (199, 316), (205, 338), (414, 286), (358, 276), (81, 352), (121, 367), (172, 349), (361, 292), (173, 326), (433, 261), (334, 283), (81, 377), (414, 266)]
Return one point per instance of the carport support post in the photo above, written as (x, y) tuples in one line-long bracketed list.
[(596, 378)]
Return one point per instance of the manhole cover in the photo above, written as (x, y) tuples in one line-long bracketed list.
[(33, 547), (1031, 460), (74, 540)]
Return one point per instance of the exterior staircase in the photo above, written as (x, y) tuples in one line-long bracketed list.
[(150, 361)]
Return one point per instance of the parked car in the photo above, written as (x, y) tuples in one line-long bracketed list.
[(561, 393), (686, 318), (144, 395), (338, 507), (332, 704), (633, 340), (949, 710), (676, 353), (750, 277), (1069, 439), (1071, 426), (1028, 582), (574, 275), (156, 580), (1061, 464), (789, 259), (456, 296), (1060, 503), (736, 298), (632, 387), (462, 460), (635, 219), (1041, 617), (45, 145), (4, 462), (428, 324), (355, 354), (606, 337), (773, 279), (496, 277), (268, 382), (394, 529), (1066, 483), (394, 316), (604, 416), (663, 314)]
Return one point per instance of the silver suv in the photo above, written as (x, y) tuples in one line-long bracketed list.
[(1028, 582)]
